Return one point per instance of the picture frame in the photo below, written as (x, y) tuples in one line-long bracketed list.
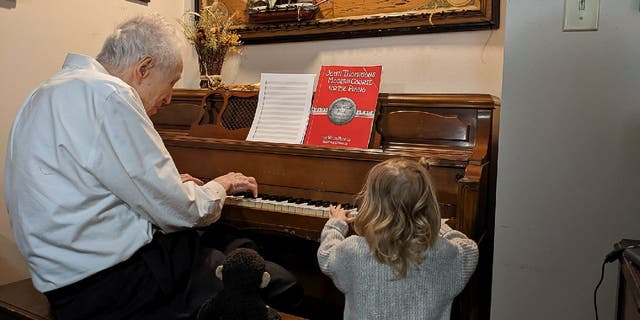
[(342, 19)]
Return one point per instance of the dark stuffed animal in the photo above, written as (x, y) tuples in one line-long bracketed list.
[(243, 275)]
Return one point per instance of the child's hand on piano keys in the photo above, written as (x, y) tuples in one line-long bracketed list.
[(187, 177), (337, 212), (235, 182)]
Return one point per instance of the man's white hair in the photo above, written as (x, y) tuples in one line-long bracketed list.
[(141, 36)]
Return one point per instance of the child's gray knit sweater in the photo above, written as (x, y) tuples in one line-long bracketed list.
[(426, 293)]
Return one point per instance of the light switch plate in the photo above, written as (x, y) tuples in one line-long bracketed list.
[(581, 15)]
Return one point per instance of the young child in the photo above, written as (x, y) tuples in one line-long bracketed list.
[(403, 263)]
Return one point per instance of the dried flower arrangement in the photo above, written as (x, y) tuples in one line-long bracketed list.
[(210, 33)]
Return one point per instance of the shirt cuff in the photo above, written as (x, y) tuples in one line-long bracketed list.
[(218, 189), (339, 225)]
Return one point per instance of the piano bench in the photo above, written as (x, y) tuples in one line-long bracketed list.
[(21, 301)]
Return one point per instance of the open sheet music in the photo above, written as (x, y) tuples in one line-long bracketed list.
[(283, 108)]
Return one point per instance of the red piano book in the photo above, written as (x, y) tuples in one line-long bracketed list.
[(344, 106)]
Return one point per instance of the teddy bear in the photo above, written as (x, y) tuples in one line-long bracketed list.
[(243, 275)]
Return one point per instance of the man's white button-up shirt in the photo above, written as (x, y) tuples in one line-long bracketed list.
[(88, 179)]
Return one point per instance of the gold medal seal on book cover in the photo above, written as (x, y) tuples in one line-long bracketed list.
[(342, 111)]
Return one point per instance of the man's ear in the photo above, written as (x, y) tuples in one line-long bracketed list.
[(266, 277), (143, 66), (219, 272)]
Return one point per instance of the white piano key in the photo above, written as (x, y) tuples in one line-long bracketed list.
[(283, 206)]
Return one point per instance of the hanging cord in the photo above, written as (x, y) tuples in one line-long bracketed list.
[(595, 292)]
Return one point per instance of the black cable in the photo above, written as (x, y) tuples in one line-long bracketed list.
[(595, 292)]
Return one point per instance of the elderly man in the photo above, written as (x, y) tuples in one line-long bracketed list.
[(97, 205)]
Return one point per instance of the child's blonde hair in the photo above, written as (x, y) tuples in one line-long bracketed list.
[(398, 213)]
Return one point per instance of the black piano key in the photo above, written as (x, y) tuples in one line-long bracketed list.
[(244, 194)]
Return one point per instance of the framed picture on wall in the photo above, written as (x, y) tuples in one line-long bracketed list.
[(266, 21)]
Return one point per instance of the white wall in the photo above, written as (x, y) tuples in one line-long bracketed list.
[(568, 160), (469, 62)]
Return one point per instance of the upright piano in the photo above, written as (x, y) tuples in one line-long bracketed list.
[(457, 134)]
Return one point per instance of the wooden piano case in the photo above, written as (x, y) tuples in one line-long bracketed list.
[(457, 133)]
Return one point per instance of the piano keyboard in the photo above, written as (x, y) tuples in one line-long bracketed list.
[(283, 204), (304, 207)]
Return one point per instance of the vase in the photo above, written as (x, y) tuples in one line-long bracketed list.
[(210, 62)]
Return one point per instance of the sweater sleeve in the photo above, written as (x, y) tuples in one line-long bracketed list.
[(467, 249), (332, 235)]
